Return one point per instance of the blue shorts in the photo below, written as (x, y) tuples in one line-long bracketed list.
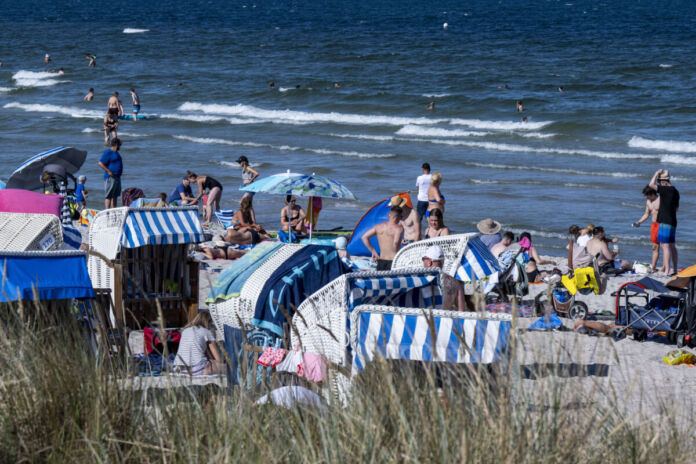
[(666, 233), (136, 109)]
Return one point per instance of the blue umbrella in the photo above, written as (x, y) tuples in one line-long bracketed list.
[(268, 183)]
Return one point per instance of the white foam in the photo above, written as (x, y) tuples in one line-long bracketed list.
[(319, 151), (92, 130), (537, 233), (537, 135), (36, 79), (6, 89), (540, 150), (419, 131), (205, 118), (666, 65), (377, 138), (67, 110), (132, 30), (237, 165), (677, 159), (555, 170), (291, 116), (664, 145), (436, 95), (285, 89), (500, 125)]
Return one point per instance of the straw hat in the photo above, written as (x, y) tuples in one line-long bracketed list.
[(664, 175), (397, 200), (488, 226)]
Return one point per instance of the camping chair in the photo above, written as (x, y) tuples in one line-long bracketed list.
[(225, 217)]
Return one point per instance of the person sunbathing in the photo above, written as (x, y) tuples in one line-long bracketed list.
[(594, 327), (293, 216), (245, 236), (224, 252)]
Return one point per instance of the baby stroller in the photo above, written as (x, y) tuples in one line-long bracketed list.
[(512, 281), (648, 305), (565, 289)]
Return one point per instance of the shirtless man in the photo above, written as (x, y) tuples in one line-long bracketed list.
[(136, 104), (389, 237), (90, 95), (652, 205), (114, 106), (409, 220)]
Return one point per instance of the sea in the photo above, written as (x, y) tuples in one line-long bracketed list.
[(352, 85)]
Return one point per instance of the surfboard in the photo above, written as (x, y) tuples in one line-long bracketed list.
[(129, 117), (377, 214)]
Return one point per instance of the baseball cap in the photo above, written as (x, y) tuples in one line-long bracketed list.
[(242, 159), (435, 253)]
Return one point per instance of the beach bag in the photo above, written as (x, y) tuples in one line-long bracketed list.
[(153, 344), (131, 194)]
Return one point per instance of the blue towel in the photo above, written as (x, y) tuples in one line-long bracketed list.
[(231, 280), (302, 274), (233, 348), (553, 322)]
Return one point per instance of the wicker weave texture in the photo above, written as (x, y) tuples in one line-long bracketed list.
[(30, 232), (105, 238), (453, 246)]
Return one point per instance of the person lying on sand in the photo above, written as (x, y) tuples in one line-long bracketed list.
[(595, 327)]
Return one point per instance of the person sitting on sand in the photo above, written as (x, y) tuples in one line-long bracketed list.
[(452, 289), (585, 235), (198, 353), (506, 241), (490, 231), (532, 259), (435, 198), (183, 194), (110, 128), (605, 258), (436, 225), (293, 216), (245, 217), (577, 254), (389, 236), (214, 188)]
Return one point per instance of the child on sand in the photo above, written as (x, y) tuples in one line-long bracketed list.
[(81, 193)]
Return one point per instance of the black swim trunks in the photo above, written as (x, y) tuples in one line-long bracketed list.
[(384, 264), (113, 111), (255, 237)]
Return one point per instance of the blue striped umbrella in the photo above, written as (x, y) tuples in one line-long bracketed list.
[(268, 183)]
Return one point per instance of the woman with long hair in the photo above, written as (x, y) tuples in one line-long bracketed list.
[(198, 353)]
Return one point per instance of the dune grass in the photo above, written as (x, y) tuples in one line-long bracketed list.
[(60, 405)]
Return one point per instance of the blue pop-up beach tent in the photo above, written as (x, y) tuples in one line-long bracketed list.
[(46, 275)]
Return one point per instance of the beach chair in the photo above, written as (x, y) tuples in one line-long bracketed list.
[(453, 246), (225, 217), (30, 232)]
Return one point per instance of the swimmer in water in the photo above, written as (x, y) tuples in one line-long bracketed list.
[(504, 86), (90, 95), (47, 58), (271, 84), (92, 60), (431, 106), (561, 89), (520, 108), (336, 85), (60, 71), (524, 119)]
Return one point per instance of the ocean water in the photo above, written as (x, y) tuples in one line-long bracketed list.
[(203, 69)]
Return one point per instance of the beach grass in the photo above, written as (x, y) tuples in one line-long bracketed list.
[(59, 404)]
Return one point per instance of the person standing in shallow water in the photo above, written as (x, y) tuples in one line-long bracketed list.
[(667, 218)]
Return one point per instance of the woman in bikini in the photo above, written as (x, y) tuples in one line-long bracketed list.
[(249, 175), (292, 216), (436, 226), (214, 189), (436, 200)]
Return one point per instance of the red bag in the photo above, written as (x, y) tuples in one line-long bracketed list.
[(153, 343)]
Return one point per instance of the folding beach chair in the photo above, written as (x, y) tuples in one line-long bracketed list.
[(225, 217)]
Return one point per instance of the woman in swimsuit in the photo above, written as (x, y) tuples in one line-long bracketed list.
[(292, 216), (249, 175), (110, 127), (436, 226), (214, 193), (532, 259), (436, 200)]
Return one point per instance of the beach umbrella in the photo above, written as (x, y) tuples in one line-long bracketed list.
[(28, 175), (304, 186)]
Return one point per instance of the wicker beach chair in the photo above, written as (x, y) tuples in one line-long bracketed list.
[(453, 246), (30, 232), (232, 311)]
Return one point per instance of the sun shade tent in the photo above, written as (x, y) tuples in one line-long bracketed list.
[(377, 214), (44, 275), (146, 252)]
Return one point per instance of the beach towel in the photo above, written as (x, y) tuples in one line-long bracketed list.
[(233, 349), (302, 274), (506, 308), (231, 280), (24, 201), (547, 323)]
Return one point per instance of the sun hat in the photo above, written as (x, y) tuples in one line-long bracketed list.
[(341, 243), (488, 226), (397, 200), (664, 175), (242, 159), (435, 253)]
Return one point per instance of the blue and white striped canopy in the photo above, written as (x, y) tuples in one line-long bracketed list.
[(161, 226), (397, 290), (477, 262), (409, 336)]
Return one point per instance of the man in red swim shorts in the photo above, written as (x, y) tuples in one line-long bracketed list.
[(652, 206)]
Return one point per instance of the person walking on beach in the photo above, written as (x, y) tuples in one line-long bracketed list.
[(113, 106), (90, 95), (112, 164), (214, 189), (389, 238), (249, 175), (652, 206), (409, 220), (136, 104), (423, 183), (667, 218)]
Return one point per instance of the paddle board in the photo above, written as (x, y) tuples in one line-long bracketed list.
[(129, 117)]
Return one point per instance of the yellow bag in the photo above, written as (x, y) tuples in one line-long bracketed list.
[(676, 357), (584, 277)]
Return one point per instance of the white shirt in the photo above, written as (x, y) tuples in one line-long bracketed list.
[(583, 239), (423, 183), (194, 341)]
